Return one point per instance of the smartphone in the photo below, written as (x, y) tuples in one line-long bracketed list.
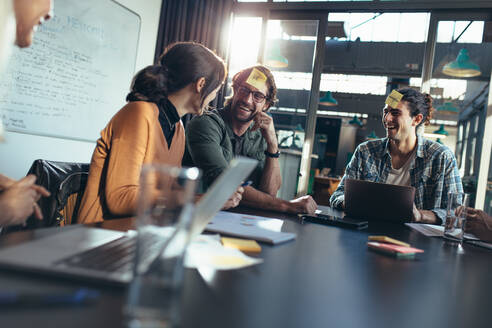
[(344, 222)]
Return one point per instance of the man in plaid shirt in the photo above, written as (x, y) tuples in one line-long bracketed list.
[(405, 158)]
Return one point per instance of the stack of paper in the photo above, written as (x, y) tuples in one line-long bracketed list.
[(250, 226), (433, 230)]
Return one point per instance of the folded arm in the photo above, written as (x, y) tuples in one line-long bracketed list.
[(255, 198)]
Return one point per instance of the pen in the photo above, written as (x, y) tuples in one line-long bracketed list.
[(246, 183), (77, 297)]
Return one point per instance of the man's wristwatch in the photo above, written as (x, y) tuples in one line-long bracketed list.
[(272, 155)]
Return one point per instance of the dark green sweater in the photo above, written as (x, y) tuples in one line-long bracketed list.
[(209, 146)]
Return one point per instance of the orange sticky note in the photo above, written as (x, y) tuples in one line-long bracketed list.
[(245, 245), (394, 248), (386, 239)]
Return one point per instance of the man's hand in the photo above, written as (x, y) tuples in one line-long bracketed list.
[(264, 122), (304, 204), (479, 224), (417, 216), (235, 199), (424, 216), (18, 201)]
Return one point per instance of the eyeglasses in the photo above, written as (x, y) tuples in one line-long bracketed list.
[(258, 97)]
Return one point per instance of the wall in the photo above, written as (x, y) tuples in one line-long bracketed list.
[(20, 150)]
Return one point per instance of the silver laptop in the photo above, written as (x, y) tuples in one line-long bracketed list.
[(368, 200), (107, 255)]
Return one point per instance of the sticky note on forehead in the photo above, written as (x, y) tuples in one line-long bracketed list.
[(393, 99), (256, 78)]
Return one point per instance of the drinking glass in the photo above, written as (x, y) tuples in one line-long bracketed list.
[(456, 216), (164, 218)]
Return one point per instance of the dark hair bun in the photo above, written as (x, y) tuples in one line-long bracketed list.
[(149, 84)]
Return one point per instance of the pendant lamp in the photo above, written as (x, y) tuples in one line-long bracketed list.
[(275, 58), (447, 108), (462, 66), (328, 100), (355, 121)]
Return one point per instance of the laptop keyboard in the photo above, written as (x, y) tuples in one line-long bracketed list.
[(115, 256)]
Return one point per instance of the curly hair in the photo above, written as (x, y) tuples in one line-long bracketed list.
[(418, 103), (242, 75)]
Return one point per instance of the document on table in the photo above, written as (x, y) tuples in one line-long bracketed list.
[(433, 230), (207, 251), (250, 226)]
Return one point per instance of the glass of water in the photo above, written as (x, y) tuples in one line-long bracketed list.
[(164, 219), (456, 216)]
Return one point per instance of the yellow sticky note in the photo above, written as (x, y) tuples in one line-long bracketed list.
[(386, 239), (393, 99), (244, 245), (232, 261), (256, 78)]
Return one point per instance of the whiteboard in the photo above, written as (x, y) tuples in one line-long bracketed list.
[(76, 74)]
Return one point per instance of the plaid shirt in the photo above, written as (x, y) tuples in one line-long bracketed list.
[(434, 173)]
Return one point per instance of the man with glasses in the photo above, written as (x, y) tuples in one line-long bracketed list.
[(243, 128)]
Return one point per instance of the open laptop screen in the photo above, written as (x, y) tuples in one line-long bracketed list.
[(378, 201)]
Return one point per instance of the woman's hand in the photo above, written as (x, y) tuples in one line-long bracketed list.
[(19, 201)]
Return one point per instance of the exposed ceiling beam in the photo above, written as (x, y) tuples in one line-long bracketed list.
[(374, 6)]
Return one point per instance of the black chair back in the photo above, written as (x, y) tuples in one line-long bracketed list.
[(61, 179)]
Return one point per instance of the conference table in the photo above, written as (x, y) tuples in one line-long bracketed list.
[(326, 277)]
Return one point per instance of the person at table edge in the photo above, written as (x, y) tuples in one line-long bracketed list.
[(405, 157)]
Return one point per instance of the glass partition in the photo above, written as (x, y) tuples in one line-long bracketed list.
[(460, 85), (289, 52)]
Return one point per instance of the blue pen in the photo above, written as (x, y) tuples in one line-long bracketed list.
[(78, 297), (246, 183)]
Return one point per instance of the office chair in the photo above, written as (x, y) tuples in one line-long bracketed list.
[(66, 182)]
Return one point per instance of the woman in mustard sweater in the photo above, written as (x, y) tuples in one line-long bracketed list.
[(148, 128)]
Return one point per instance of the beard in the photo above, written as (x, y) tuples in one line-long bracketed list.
[(241, 115)]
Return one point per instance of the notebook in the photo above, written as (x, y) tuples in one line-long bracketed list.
[(107, 255), (378, 201)]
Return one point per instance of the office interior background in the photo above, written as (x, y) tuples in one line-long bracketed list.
[(334, 63)]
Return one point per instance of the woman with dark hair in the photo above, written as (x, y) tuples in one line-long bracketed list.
[(148, 128), (406, 158)]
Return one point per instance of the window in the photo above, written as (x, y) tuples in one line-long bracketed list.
[(384, 27), (465, 31), (245, 43)]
